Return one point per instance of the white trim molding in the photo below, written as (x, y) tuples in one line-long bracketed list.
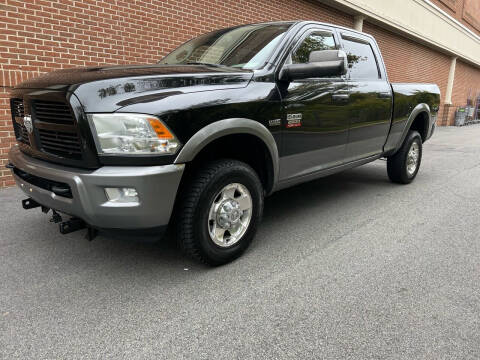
[(451, 81), (358, 22), (420, 20)]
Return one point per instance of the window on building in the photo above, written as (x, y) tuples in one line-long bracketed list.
[(361, 60)]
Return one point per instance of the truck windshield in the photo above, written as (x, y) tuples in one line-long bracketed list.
[(246, 47)]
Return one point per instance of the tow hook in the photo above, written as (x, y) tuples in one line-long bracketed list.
[(30, 204), (65, 227)]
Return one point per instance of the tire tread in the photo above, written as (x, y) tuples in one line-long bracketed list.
[(396, 163), (197, 184)]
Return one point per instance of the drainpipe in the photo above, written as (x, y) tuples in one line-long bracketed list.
[(358, 22)]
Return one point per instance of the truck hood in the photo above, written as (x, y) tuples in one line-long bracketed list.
[(107, 89)]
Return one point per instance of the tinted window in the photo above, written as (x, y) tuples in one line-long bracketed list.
[(314, 42), (247, 47), (361, 60)]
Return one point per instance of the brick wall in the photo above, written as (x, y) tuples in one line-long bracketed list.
[(408, 61), (467, 84)]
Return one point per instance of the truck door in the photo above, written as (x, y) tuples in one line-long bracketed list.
[(315, 122), (370, 107)]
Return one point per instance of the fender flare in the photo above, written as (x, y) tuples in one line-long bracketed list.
[(413, 115), (225, 127)]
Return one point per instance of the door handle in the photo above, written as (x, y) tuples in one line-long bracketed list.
[(340, 97), (384, 95)]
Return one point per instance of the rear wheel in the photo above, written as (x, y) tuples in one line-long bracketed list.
[(220, 211), (403, 166)]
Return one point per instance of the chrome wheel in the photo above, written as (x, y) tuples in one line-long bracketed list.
[(230, 215), (412, 158)]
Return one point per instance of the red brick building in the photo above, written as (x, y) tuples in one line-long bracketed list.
[(38, 36)]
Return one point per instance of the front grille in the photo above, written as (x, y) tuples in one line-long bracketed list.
[(65, 144), (56, 134), (56, 129), (18, 111), (53, 112), (21, 133)]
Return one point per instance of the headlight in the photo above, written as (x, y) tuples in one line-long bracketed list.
[(124, 133)]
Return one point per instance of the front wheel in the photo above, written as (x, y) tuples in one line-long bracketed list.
[(220, 211), (403, 166)]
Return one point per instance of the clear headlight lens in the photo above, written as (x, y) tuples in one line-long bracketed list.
[(124, 133)]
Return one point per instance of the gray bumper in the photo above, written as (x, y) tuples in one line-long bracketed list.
[(156, 186)]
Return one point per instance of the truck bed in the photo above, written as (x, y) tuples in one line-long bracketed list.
[(406, 96)]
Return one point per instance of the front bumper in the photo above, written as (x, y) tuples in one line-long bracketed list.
[(156, 187)]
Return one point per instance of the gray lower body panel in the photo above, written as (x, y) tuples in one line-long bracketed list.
[(323, 172), (156, 187)]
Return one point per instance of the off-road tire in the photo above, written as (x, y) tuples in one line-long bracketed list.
[(397, 164), (198, 195)]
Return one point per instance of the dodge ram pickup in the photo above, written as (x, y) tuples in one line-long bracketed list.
[(198, 140)]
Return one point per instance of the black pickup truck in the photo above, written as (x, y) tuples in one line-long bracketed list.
[(199, 139)]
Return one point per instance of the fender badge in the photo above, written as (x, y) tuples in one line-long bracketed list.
[(274, 122), (294, 120)]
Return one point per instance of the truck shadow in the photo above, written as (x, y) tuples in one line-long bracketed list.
[(298, 200), (132, 258), (334, 188)]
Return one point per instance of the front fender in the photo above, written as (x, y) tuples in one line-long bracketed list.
[(225, 127)]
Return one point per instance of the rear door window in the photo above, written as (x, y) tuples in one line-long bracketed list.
[(362, 63)]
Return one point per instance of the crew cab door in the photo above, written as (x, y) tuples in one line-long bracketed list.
[(370, 107), (315, 119)]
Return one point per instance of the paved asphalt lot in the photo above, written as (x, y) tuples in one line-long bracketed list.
[(350, 266)]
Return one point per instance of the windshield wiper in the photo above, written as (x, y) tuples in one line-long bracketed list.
[(203, 63)]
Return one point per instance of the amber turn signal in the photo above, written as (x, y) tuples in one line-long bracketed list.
[(160, 129)]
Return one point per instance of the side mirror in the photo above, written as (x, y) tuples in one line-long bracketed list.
[(321, 63)]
